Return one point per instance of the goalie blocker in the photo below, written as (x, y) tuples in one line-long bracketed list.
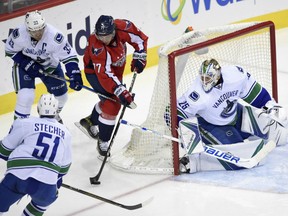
[(268, 129)]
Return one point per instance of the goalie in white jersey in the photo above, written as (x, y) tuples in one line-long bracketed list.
[(214, 99), (38, 154), (38, 48)]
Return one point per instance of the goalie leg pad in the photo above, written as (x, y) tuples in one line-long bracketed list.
[(205, 162), (278, 133), (190, 136), (263, 125), (254, 123)]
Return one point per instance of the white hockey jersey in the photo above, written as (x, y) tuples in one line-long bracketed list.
[(219, 105), (39, 148), (52, 49)]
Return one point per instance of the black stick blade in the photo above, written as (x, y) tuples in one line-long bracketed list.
[(94, 181)]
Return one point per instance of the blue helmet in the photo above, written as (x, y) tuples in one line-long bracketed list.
[(105, 25)]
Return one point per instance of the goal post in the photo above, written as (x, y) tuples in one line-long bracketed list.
[(249, 45)]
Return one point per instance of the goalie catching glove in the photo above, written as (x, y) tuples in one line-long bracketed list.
[(124, 96), (139, 61)]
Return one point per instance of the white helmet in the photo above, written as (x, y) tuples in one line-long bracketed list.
[(209, 74), (34, 21), (47, 105)]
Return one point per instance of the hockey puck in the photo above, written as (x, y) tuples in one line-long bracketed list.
[(93, 181)]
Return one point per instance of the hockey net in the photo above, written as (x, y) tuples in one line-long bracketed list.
[(250, 45)]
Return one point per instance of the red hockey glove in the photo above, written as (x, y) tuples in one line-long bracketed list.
[(124, 96)]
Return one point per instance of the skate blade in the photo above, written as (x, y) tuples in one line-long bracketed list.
[(78, 125)]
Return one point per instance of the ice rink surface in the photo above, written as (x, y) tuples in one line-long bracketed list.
[(262, 191)]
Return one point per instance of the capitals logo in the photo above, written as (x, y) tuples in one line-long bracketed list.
[(97, 51)]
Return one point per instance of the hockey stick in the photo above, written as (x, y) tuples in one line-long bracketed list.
[(128, 207), (217, 153), (133, 106), (95, 179)]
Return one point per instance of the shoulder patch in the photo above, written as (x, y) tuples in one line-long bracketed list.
[(59, 38), (194, 96), (128, 24), (15, 33)]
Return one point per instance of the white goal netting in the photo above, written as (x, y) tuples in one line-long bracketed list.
[(149, 153)]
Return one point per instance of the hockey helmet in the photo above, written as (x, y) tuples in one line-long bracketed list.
[(105, 25), (35, 24), (47, 105), (209, 74), (34, 21)]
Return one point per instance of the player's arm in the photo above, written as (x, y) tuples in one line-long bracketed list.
[(88, 63), (257, 96), (109, 81), (138, 40), (253, 93), (68, 56), (12, 140), (13, 49)]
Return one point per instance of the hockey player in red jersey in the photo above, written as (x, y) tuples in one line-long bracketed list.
[(104, 62)]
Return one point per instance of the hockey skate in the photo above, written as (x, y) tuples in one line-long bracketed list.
[(85, 125), (102, 147), (184, 164)]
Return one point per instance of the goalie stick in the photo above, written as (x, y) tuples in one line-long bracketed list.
[(217, 153), (128, 207), (131, 106)]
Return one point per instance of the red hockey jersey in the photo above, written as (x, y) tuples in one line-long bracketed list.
[(108, 61)]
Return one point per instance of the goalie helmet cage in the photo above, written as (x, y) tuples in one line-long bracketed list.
[(249, 45)]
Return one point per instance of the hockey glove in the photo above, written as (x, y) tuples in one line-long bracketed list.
[(276, 112), (271, 107), (76, 82), (139, 61), (32, 68), (124, 96)]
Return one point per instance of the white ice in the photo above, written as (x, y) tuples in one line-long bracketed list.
[(262, 191)]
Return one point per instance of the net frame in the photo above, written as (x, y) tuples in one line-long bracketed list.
[(168, 59)]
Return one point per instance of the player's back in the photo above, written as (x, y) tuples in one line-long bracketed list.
[(43, 147)]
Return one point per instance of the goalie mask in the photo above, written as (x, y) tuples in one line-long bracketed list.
[(105, 29), (47, 105), (209, 74), (35, 24)]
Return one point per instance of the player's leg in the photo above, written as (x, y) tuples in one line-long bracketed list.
[(91, 122), (261, 124), (107, 120), (8, 192), (24, 87), (42, 196), (58, 88), (215, 134)]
